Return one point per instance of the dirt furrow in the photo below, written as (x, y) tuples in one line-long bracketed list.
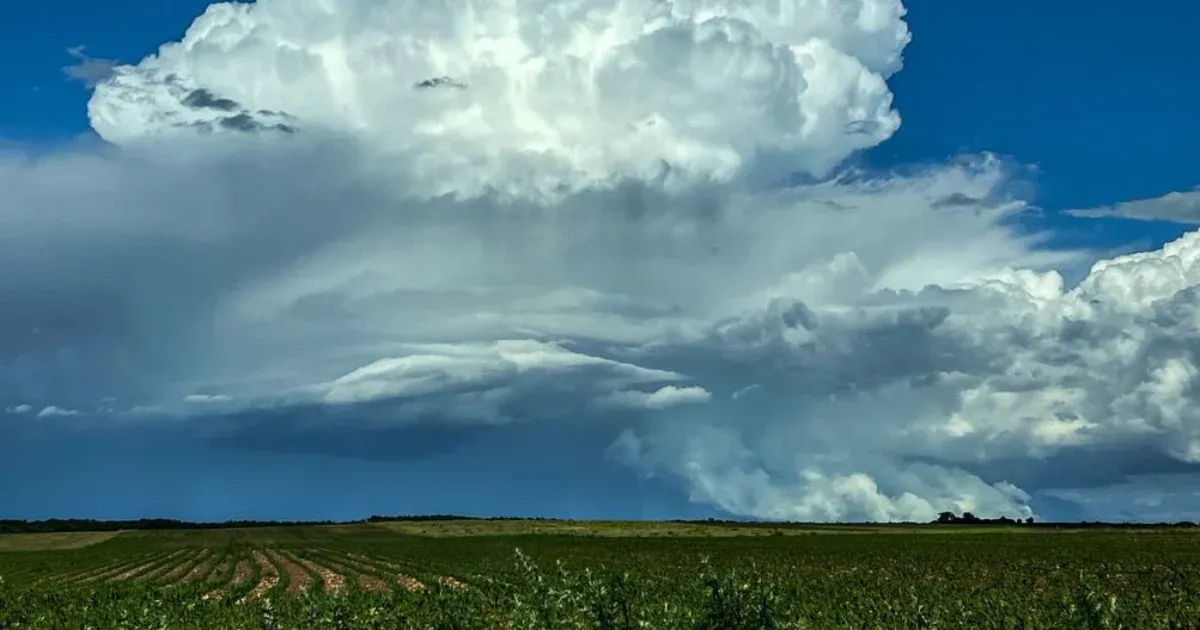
[(367, 576), (241, 573), (171, 571), (86, 575), (200, 569), (407, 581), (298, 578), (373, 583), (147, 568), (269, 578), (178, 574), (453, 582), (332, 580)]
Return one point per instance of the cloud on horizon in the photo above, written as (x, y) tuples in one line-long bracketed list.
[(580, 243)]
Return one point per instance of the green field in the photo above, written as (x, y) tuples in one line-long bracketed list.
[(522, 574)]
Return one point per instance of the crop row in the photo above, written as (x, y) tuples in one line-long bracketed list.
[(1030, 581)]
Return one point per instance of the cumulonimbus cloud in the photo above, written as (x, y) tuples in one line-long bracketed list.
[(492, 214)]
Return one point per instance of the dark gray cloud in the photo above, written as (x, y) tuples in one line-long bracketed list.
[(247, 123), (439, 82), (204, 99)]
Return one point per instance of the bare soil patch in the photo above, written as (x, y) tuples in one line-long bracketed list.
[(409, 582), (453, 582), (181, 573), (241, 573), (146, 569), (200, 569), (332, 580), (298, 578), (172, 572), (372, 583), (269, 578), (131, 573), (90, 574)]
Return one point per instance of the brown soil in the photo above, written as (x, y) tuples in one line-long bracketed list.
[(199, 569), (298, 578), (171, 576), (368, 581), (270, 577), (332, 580), (146, 569), (241, 573), (372, 583), (409, 582), (405, 580), (87, 577), (131, 572), (453, 582)]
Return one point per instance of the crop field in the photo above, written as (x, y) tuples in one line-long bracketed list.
[(517, 574)]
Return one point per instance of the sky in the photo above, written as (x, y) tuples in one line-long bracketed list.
[(826, 261)]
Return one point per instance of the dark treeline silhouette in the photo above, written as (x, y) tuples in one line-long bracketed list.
[(967, 518), (950, 518), (17, 526), (945, 518), (456, 517), (14, 526)]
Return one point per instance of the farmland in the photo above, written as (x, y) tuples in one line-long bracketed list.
[(520, 574)]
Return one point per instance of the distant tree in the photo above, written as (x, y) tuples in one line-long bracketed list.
[(947, 517), (1029, 521)]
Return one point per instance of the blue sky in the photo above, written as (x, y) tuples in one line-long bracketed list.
[(1092, 104), (1094, 95)]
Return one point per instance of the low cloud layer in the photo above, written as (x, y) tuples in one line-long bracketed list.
[(580, 242)]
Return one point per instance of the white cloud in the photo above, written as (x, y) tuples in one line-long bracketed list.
[(478, 382), (53, 412), (206, 399), (528, 250), (667, 396), (556, 96), (1180, 207), (19, 409)]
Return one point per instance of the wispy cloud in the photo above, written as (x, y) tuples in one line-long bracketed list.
[(91, 71), (56, 412), (1178, 207)]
